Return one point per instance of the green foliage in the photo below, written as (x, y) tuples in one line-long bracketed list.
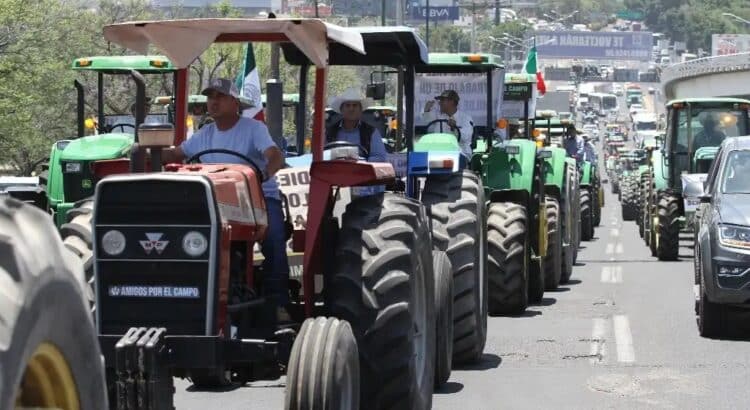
[(692, 21)]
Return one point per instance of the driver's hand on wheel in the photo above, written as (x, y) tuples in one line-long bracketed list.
[(428, 106), (452, 124)]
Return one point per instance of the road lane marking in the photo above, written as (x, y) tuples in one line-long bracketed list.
[(610, 249), (619, 248), (614, 232), (611, 274), (597, 350), (623, 339)]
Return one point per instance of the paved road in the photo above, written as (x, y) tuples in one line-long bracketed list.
[(621, 335)]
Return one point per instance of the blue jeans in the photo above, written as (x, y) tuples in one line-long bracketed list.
[(276, 264)]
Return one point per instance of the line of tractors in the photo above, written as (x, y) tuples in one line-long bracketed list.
[(660, 181), (394, 292)]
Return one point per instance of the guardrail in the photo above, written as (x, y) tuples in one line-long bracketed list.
[(705, 66)]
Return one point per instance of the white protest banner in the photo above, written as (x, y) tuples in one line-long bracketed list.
[(294, 183)]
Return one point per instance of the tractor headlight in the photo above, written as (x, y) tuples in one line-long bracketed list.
[(734, 236), (194, 243), (113, 242)]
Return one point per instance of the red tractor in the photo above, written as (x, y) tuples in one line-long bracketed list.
[(176, 292)]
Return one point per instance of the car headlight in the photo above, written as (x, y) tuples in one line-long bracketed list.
[(194, 243), (113, 242), (734, 236)]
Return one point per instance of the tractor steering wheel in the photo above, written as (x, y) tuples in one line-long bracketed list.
[(121, 125), (261, 175), (344, 144), (441, 121)]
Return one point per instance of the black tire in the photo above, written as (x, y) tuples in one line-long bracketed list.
[(444, 317), (77, 236), (597, 206), (323, 370), (508, 263), (553, 262), (43, 310), (383, 285), (569, 228), (576, 231), (455, 204), (629, 199), (668, 241), (712, 318), (587, 221)]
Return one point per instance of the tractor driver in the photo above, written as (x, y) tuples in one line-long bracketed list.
[(251, 138), (457, 121), (573, 143), (710, 135), (352, 129)]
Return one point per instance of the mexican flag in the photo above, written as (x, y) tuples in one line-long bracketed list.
[(248, 81), (531, 68)]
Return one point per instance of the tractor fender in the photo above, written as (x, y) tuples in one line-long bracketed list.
[(553, 191), (516, 196), (584, 186)]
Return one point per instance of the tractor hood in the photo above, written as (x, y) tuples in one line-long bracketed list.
[(704, 153), (437, 142), (95, 147), (734, 209)]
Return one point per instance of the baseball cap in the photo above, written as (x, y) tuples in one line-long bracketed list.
[(223, 86), (448, 94)]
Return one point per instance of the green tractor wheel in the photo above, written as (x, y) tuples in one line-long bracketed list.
[(668, 235), (508, 263), (553, 262)]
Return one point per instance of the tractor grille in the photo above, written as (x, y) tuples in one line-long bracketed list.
[(153, 281)]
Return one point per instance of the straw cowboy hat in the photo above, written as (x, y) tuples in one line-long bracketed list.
[(350, 95)]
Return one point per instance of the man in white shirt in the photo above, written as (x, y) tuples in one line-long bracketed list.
[(456, 122)]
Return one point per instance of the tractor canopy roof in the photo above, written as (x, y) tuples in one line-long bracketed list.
[(709, 101), (184, 40), (461, 63), (200, 99), (390, 46), (124, 64)]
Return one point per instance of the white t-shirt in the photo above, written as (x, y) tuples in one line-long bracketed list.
[(463, 122)]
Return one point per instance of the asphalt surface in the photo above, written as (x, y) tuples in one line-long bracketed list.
[(621, 334)]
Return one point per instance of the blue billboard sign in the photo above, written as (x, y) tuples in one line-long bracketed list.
[(604, 45), (436, 13)]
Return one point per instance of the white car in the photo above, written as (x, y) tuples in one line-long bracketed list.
[(651, 90), (634, 108)]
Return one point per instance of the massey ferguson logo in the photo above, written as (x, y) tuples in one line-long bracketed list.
[(154, 242)]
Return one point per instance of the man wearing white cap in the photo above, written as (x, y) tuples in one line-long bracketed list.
[(352, 129), (248, 137)]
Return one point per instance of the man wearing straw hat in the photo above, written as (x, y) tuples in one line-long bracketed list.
[(352, 129)]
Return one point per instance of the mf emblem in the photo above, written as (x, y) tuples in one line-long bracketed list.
[(154, 242)]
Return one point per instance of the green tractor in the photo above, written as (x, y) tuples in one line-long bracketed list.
[(523, 238), (73, 163), (562, 182), (453, 195), (632, 165), (695, 129)]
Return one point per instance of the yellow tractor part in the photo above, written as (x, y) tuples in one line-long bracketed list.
[(47, 381)]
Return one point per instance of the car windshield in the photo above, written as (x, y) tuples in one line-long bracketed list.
[(646, 126), (736, 170)]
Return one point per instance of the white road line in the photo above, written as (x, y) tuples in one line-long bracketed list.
[(611, 274), (610, 249), (597, 350), (619, 248), (623, 339), (614, 232)]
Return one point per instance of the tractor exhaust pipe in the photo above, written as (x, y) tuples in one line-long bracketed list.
[(81, 120)]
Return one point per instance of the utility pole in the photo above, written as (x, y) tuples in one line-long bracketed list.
[(399, 13), (473, 26), (427, 23), (497, 12), (382, 13), (317, 14)]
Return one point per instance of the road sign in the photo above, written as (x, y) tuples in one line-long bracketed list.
[(594, 45), (723, 44), (517, 92), (436, 13), (632, 15)]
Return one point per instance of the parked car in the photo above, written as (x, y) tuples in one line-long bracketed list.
[(722, 242)]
